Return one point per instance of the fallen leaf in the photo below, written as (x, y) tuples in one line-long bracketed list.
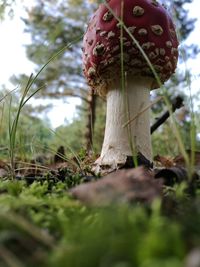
[(164, 161)]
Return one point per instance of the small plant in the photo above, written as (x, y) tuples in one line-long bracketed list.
[(26, 96)]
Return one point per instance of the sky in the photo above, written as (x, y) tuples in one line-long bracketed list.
[(13, 59), (193, 64)]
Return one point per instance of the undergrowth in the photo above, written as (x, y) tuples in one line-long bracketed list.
[(40, 225)]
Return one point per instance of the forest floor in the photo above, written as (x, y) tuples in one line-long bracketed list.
[(63, 215)]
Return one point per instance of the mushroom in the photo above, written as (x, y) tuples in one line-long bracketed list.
[(152, 27)]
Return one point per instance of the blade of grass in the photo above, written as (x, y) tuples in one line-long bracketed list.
[(142, 111), (70, 149), (7, 94), (191, 109), (192, 124)]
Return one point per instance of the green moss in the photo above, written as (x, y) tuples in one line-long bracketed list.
[(59, 231)]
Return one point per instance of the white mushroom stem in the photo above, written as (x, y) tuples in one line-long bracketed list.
[(119, 141)]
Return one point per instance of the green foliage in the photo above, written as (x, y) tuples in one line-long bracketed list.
[(70, 234), (6, 7), (164, 141), (119, 237), (64, 135), (30, 130)]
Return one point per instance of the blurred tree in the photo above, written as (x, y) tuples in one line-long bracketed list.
[(179, 83), (53, 26), (6, 7), (184, 26)]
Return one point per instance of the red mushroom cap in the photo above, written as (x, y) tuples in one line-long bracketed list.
[(149, 23)]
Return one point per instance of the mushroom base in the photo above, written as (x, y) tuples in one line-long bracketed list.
[(121, 141)]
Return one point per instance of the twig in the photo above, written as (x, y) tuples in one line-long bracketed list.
[(9, 258), (176, 104), (142, 111)]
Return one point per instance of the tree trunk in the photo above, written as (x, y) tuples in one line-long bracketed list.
[(90, 120)]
